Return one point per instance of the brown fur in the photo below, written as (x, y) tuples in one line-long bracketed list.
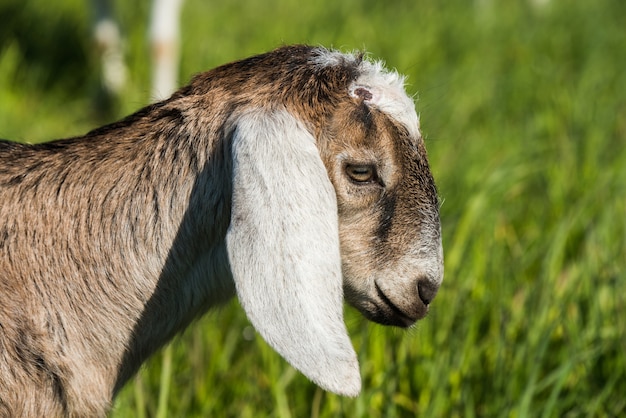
[(113, 242)]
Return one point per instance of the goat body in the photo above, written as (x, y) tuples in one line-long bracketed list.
[(113, 242)]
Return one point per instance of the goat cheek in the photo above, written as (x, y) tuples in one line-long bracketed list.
[(386, 215), (356, 253)]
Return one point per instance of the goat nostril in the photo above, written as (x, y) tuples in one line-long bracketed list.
[(427, 291)]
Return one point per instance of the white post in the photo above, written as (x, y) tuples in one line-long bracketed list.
[(164, 39), (109, 42)]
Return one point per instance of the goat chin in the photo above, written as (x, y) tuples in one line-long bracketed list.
[(284, 179)]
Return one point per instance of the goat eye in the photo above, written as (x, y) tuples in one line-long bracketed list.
[(361, 173)]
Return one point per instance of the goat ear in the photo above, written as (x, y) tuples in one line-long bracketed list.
[(283, 248)]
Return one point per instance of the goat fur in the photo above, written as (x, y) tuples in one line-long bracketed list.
[(113, 242)]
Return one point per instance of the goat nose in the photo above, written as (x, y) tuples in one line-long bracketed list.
[(427, 290)]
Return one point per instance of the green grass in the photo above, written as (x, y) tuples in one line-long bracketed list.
[(524, 109)]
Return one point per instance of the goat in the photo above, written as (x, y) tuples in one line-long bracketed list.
[(289, 179)]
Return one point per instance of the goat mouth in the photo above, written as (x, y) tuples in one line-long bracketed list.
[(390, 314)]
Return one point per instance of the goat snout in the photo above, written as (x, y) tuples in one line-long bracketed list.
[(403, 305), (427, 290)]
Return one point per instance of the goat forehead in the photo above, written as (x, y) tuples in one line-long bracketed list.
[(386, 87), (388, 94)]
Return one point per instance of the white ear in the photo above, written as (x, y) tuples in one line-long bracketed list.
[(283, 248)]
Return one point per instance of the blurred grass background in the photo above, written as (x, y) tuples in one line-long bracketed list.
[(523, 104)]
